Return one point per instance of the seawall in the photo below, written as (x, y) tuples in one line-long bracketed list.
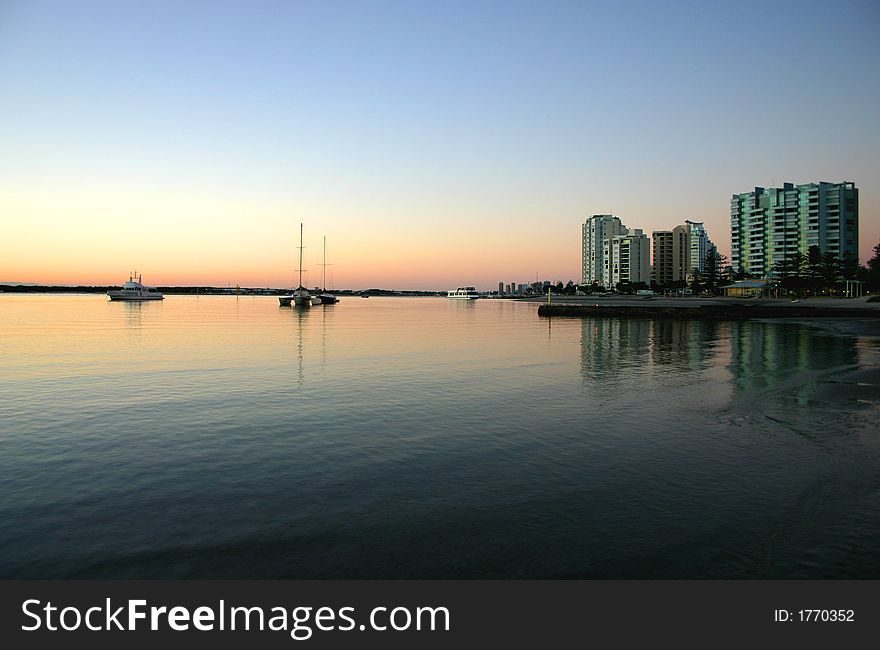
[(719, 312)]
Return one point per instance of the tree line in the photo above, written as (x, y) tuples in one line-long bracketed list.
[(818, 272)]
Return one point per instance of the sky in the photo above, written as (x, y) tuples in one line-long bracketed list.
[(434, 144)]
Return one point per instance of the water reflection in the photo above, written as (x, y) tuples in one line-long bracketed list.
[(759, 354), (136, 315), (300, 316), (790, 377), (133, 311), (312, 330), (611, 446), (689, 344), (736, 366), (609, 345), (768, 354)]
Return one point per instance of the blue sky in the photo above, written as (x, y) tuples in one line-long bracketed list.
[(395, 127)]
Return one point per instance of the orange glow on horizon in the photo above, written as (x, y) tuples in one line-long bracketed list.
[(95, 236)]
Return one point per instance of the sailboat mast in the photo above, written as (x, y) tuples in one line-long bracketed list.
[(300, 256), (324, 267)]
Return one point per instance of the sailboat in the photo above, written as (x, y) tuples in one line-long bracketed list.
[(300, 297), (326, 298)]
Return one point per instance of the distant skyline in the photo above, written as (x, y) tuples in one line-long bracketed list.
[(434, 144)]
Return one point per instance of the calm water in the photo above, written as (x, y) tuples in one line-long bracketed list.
[(228, 437)]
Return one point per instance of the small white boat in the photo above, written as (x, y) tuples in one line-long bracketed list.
[(463, 293), (135, 291)]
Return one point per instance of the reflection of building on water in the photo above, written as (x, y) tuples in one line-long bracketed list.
[(765, 354), (684, 343), (611, 344), (623, 358)]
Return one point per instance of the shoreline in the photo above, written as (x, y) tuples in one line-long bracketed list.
[(19, 289), (705, 310)]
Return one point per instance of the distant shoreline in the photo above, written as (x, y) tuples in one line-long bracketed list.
[(209, 291)]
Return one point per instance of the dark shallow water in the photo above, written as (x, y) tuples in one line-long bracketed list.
[(423, 438)]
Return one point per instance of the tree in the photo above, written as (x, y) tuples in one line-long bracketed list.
[(874, 262), (814, 267), (713, 269), (791, 266), (872, 277), (829, 270), (791, 272), (849, 267)]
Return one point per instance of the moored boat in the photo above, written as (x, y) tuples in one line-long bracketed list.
[(324, 297), (463, 293), (135, 291), (300, 297)]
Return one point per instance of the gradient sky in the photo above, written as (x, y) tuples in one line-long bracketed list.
[(435, 143)]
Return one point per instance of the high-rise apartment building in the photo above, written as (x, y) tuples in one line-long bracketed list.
[(681, 253), (700, 245), (769, 225), (595, 231), (626, 258), (661, 269), (672, 255)]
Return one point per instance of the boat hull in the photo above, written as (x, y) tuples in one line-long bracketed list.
[(134, 298)]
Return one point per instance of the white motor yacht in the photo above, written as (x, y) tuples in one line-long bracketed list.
[(135, 290), (463, 293)]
